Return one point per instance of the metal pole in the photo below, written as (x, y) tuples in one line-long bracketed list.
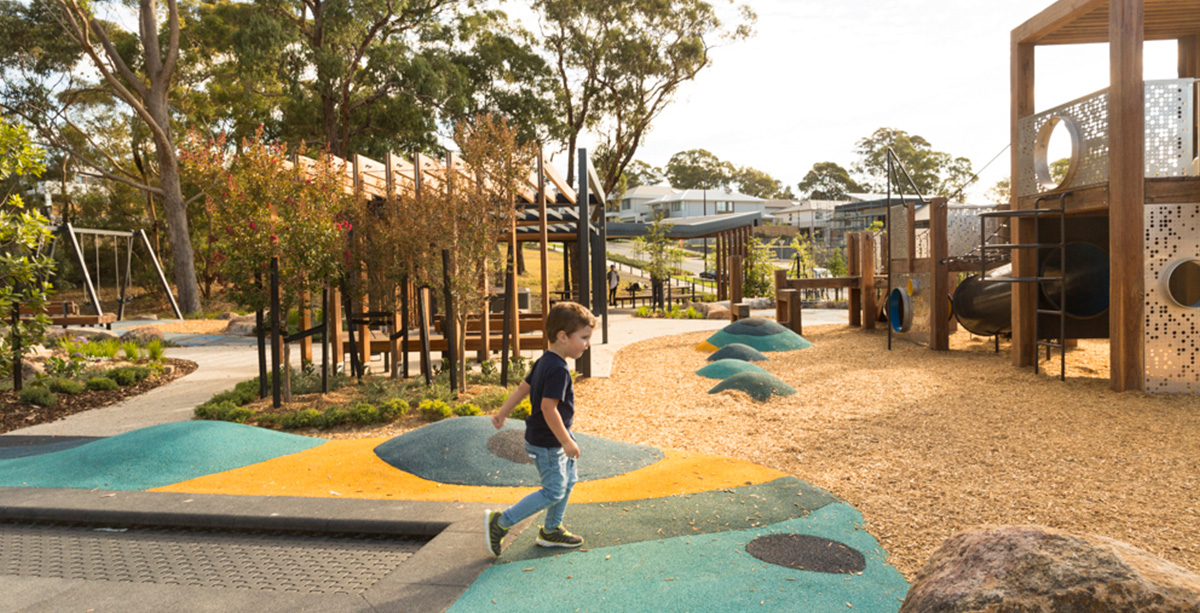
[(325, 339), (261, 334), (161, 277), (584, 363), (128, 271), (16, 345), (450, 323), (506, 329), (276, 345)]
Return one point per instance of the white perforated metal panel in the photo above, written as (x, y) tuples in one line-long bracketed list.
[(1170, 125), (1172, 333)]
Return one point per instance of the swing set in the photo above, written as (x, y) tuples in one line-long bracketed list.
[(75, 237)]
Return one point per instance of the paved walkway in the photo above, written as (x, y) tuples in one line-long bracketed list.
[(681, 531)]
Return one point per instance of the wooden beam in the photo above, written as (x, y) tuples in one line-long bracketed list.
[(870, 308), (826, 283), (939, 279), (1052, 18), (854, 301), (1189, 57), (1024, 295), (1126, 164)]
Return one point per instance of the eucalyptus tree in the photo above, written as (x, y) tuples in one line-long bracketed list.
[(828, 181), (620, 64), (933, 172), (72, 59)]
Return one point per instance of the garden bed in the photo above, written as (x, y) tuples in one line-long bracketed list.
[(15, 415)]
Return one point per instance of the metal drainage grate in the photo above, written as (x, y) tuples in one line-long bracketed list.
[(276, 561)]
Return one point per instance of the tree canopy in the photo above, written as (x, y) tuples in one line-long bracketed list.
[(828, 181), (933, 172)]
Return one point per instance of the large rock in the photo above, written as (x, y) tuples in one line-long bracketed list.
[(717, 312), (30, 370), (227, 315), (143, 334), (241, 326), (89, 333), (1033, 568)]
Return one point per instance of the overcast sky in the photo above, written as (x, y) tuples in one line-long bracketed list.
[(822, 74)]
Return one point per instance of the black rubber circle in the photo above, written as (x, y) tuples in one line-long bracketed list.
[(806, 552)]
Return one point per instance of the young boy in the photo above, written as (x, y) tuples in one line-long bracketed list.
[(548, 438)]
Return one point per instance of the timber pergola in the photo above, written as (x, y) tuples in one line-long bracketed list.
[(1124, 25), (543, 197)]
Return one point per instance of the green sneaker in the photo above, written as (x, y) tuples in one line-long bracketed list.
[(559, 537), (495, 533)]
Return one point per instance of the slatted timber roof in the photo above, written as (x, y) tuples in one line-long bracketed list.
[(1069, 22), (372, 176)]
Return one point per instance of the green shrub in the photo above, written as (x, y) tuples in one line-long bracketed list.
[(102, 384), (106, 348), (393, 408), (223, 411), (308, 418), (434, 410), (131, 350), (522, 410), (38, 395), (336, 416), (62, 385), (154, 350), (128, 375), (438, 392), (364, 413), (467, 410), (491, 399), (268, 420)]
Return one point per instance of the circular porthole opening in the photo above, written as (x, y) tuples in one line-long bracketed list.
[(899, 310), (1181, 283), (1056, 152)]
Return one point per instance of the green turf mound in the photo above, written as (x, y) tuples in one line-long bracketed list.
[(760, 385), (153, 457), (737, 351), (469, 451), (761, 334), (722, 369)]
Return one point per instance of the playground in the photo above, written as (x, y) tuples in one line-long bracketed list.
[(927, 444)]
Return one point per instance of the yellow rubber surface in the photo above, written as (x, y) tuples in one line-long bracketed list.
[(350, 469)]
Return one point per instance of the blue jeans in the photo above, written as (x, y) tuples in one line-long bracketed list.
[(558, 478)]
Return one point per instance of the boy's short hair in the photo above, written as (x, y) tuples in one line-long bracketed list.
[(567, 317)]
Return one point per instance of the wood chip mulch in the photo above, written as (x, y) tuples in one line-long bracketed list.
[(15, 415), (927, 444)]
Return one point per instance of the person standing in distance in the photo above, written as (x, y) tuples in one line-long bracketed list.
[(614, 278)]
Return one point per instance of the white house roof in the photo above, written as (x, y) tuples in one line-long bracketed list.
[(648, 191), (699, 195)]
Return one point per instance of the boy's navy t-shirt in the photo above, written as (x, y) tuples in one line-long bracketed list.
[(549, 378)]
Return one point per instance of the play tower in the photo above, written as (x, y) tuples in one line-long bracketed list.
[(1132, 192)]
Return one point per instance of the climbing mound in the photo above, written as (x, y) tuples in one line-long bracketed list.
[(469, 451), (153, 457), (722, 369), (759, 385), (761, 334), (737, 351)]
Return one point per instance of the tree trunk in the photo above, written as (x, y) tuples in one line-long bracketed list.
[(571, 140), (186, 288)]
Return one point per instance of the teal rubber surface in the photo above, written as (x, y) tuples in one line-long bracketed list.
[(709, 572), (455, 451), (738, 351), (728, 367), (153, 457), (760, 385), (761, 334)]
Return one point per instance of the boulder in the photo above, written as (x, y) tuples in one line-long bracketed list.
[(241, 326), (31, 370), (227, 315), (1033, 568), (700, 307), (146, 316), (142, 334), (88, 333), (717, 312)]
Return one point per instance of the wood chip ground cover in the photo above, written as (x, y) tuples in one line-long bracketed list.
[(927, 444)]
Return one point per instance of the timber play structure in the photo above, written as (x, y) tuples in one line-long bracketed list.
[(1112, 250)]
